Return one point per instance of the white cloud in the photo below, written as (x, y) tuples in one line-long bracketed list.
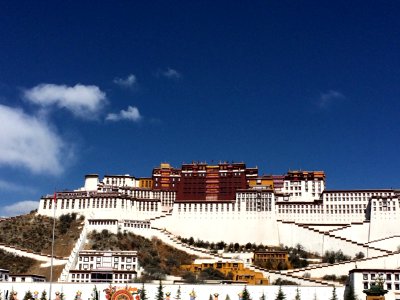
[(130, 114), (326, 99), (171, 74), (20, 208), (26, 141), (127, 82), (83, 101), (9, 186)]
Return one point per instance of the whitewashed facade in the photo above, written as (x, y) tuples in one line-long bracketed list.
[(95, 266), (356, 220)]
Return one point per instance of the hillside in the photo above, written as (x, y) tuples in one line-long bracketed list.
[(15, 264), (34, 232), (25, 265), (157, 258)]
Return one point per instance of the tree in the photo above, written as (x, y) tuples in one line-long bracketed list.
[(43, 296), (297, 297), (211, 274), (28, 295), (360, 255), (349, 295), (210, 298), (190, 277), (160, 292), (227, 297), (221, 245), (178, 293), (262, 296), (280, 281), (334, 296), (142, 293), (245, 294), (281, 295)]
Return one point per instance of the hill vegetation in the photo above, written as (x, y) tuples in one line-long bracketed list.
[(14, 263), (34, 232), (297, 256), (157, 258)]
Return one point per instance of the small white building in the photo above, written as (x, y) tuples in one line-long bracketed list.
[(26, 278), (105, 266), (363, 279)]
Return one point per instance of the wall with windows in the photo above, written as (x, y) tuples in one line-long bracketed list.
[(362, 279), (105, 266), (4, 275)]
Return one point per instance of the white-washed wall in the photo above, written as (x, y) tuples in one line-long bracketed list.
[(356, 232), (203, 292), (214, 226), (390, 243), (290, 234)]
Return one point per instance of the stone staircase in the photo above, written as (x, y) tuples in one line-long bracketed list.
[(171, 239), (72, 259)]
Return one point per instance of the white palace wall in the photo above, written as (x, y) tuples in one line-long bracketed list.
[(290, 234), (356, 232), (214, 226), (390, 243)]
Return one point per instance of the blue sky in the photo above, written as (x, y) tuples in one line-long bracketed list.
[(117, 88)]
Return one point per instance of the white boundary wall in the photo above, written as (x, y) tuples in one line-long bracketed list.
[(202, 291)]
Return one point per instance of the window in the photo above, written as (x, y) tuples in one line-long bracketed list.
[(365, 276)]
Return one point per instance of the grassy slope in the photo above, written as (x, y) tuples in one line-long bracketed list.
[(155, 257), (34, 232)]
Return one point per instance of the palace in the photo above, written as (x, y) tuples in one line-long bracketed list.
[(233, 203)]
